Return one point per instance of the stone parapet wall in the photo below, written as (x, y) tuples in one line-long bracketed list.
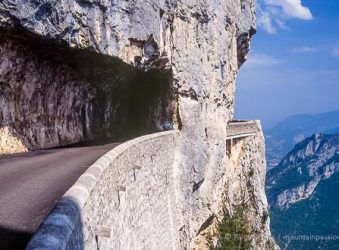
[(129, 193), (235, 128)]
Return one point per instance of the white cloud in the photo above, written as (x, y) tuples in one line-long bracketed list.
[(336, 50), (260, 60), (304, 49), (273, 14), (292, 8), (264, 20)]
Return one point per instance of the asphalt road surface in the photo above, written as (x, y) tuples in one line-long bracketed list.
[(31, 184)]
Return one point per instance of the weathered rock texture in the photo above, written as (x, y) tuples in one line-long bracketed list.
[(245, 182), (242, 184), (196, 47), (9, 142), (52, 96)]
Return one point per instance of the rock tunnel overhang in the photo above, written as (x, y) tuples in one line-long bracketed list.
[(77, 95)]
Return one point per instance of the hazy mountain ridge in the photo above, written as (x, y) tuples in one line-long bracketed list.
[(282, 138), (296, 177), (302, 193)]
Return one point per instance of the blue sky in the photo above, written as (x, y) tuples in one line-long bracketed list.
[(293, 66)]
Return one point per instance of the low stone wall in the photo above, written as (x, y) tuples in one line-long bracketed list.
[(242, 127), (125, 200)]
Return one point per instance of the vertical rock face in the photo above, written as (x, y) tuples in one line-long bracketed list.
[(52, 95), (205, 62), (41, 99), (177, 59), (245, 183)]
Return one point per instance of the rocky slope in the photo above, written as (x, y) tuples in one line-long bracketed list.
[(301, 188), (80, 69), (282, 138)]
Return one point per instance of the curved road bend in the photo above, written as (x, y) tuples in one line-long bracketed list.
[(31, 183)]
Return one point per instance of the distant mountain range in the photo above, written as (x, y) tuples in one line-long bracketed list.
[(282, 138), (303, 193)]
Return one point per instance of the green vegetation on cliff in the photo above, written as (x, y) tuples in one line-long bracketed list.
[(234, 232)]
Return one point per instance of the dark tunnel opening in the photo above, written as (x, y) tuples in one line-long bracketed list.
[(140, 102), (59, 95)]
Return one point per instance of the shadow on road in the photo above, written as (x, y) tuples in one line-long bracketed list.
[(13, 240), (62, 229)]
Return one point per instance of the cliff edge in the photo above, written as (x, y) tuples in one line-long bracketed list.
[(76, 70)]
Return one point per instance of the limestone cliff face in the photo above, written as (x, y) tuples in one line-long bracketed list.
[(52, 96), (41, 100), (245, 183), (201, 43), (239, 185), (177, 59)]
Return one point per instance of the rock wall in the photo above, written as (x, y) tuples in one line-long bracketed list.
[(205, 63), (245, 182), (41, 99), (9, 142), (202, 44), (52, 95)]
